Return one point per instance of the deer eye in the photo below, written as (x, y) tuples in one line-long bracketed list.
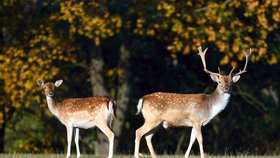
[(44, 87)]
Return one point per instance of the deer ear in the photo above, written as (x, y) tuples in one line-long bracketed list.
[(58, 83), (214, 77), (40, 82), (235, 78)]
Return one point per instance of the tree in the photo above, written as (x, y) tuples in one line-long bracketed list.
[(43, 40), (229, 26), (91, 21), (28, 52), (232, 26)]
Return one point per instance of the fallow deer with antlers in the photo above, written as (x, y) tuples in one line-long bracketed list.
[(77, 113), (193, 110)]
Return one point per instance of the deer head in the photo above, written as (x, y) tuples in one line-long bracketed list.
[(224, 81), (49, 87)]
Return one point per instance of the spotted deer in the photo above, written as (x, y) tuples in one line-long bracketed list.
[(77, 113), (192, 110)]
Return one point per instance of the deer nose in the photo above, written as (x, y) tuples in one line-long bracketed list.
[(50, 93), (227, 88)]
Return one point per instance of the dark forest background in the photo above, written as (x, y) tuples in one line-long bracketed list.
[(128, 48)]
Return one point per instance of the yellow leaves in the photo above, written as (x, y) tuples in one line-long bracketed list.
[(186, 50), (24, 145), (186, 35), (173, 55), (252, 5), (20, 68), (262, 52), (225, 60), (212, 11), (249, 40), (211, 34), (223, 47), (176, 46), (235, 48), (97, 41), (272, 60), (262, 20), (114, 71), (150, 32), (189, 18), (236, 4), (276, 16), (177, 27), (168, 8), (110, 72), (140, 22), (233, 64), (14, 76), (1, 117), (89, 19), (8, 3)]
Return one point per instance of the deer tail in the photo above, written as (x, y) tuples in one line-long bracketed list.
[(139, 106), (111, 107)]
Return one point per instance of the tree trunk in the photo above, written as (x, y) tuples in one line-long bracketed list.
[(123, 90), (98, 89), (2, 137), (96, 71), (2, 126)]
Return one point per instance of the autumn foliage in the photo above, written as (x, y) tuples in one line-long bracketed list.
[(38, 38), (232, 26)]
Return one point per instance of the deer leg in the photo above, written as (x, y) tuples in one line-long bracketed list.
[(192, 139), (110, 135), (69, 129), (148, 126), (77, 142), (150, 145), (199, 139)]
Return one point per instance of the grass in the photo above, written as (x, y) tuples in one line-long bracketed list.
[(126, 156)]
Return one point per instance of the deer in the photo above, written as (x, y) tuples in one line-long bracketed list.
[(84, 113), (185, 110)]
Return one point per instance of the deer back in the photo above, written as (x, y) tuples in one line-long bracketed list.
[(175, 109), (83, 108)]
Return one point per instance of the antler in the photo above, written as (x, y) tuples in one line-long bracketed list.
[(231, 71), (202, 56), (247, 55)]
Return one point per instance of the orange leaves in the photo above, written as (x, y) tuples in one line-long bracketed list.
[(178, 27), (88, 19), (169, 9), (15, 71), (1, 117), (233, 26), (36, 57), (252, 5), (21, 67), (272, 60), (262, 20), (276, 15), (211, 34)]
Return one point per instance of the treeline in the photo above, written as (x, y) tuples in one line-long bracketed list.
[(125, 49)]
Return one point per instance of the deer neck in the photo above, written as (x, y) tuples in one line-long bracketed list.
[(218, 101), (52, 105)]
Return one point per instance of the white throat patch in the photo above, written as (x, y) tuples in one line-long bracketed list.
[(218, 106), (51, 105)]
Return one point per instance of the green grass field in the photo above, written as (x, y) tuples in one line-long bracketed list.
[(124, 156)]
